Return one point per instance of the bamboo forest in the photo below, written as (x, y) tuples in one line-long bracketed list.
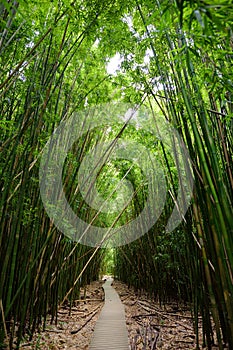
[(116, 165)]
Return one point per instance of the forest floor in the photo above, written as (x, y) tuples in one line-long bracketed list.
[(150, 325), (74, 326)]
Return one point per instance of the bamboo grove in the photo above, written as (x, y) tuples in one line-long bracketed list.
[(175, 58)]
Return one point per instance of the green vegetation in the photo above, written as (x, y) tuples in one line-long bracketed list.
[(176, 59), (107, 263)]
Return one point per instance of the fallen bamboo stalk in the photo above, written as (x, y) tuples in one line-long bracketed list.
[(82, 300), (86, 322), (53, 330), (170, 314), (165, 316)]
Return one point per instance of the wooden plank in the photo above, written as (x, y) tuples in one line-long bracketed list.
[(110, 331)]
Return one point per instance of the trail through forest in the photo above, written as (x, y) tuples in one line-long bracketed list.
[(150, 325), (116, 139)]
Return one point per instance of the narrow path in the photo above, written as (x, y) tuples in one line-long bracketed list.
[(110, 330)]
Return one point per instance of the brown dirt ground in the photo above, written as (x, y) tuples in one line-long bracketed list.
[(163, 327), (150, 326), (59, 336)]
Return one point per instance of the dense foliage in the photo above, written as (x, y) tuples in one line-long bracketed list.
[(175, 57)]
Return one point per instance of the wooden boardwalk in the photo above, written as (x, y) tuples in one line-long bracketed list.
[(110, 331)]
